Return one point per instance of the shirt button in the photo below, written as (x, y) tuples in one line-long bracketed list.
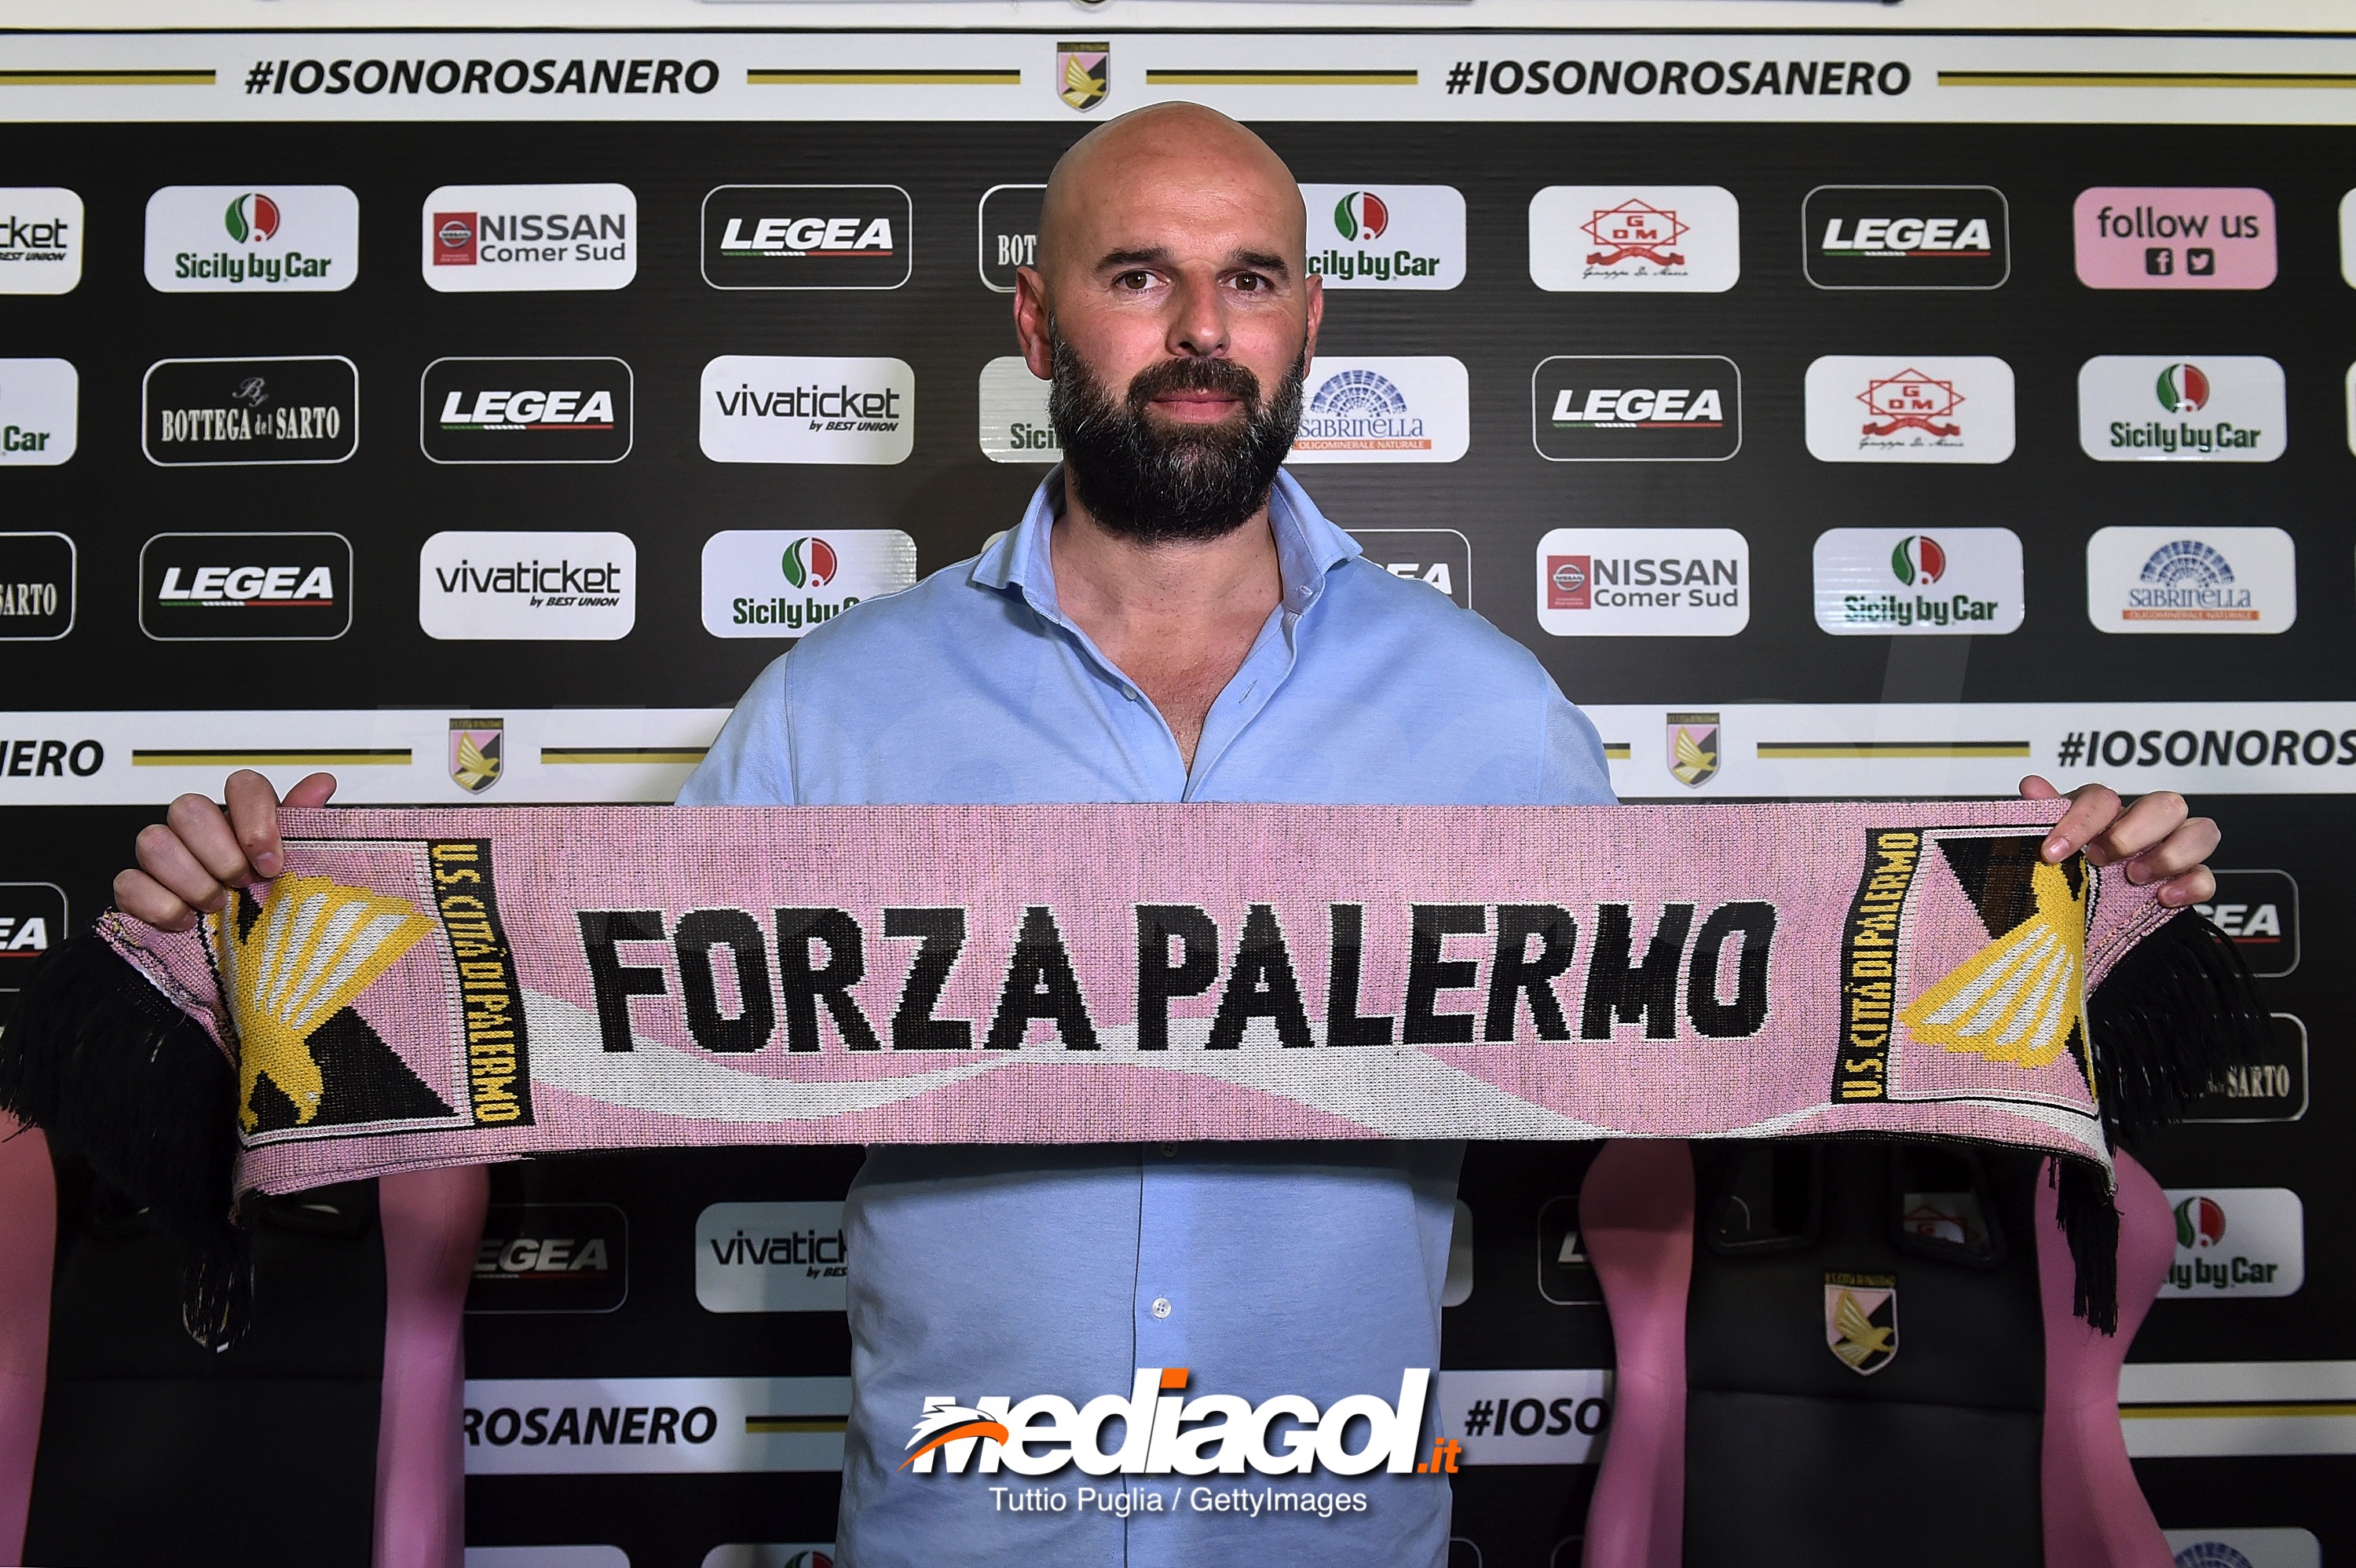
[(1170, 1151), (1162, 1306)]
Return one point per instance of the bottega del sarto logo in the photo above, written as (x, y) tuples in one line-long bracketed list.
[(222, 239), (1165, 1433), (529, 586)]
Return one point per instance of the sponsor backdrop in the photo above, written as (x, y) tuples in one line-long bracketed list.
[(1831, 415)]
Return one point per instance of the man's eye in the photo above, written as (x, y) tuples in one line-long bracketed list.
[(1134, 280), (1250, 282)]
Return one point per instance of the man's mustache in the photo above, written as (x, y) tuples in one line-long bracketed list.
[(1194, 375)]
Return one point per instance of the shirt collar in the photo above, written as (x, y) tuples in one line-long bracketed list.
[(1307, 547)]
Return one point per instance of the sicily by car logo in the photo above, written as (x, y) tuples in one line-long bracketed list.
[(808, 563), (251, 217)]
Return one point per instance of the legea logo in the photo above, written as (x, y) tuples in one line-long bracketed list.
[(1164, 1433)]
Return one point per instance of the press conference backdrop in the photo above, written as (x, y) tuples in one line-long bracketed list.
[(475, 415)]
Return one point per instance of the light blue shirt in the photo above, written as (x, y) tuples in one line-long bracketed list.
[(1263, 1269)]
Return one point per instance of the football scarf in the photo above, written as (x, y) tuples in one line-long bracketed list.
[(427, 987)]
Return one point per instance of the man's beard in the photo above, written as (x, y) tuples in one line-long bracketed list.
[(1155, 482)]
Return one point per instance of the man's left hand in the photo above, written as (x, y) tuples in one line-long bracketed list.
[(2157, 838)]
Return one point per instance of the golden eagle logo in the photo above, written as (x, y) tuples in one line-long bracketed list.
[(1862, 1320), (314, 946), (2021, 998), (1083, 74), (1693, 748)]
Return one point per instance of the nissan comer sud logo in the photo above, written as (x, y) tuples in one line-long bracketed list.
[(1166, 1432)]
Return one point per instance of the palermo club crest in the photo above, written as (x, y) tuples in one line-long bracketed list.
[(1083, 74), (1862, 1320), (476, 749)]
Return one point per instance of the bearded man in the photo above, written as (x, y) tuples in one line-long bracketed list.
[(1172, 620)]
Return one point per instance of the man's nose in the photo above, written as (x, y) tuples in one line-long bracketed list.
[(1199, 318)]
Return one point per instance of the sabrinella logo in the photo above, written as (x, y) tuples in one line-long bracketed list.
[(1166, 1434)]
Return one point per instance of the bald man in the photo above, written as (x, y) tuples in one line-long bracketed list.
[(1172, 620)]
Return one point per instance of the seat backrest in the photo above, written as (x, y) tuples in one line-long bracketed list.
[(28, 1233), (1836, 1353)]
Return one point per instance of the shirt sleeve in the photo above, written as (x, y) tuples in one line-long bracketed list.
[(1573, 771), (752, 763)]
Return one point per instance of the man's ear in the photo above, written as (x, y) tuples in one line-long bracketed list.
[(1031, 317), (1316, 292)]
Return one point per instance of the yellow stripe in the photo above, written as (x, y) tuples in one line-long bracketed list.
[(769, 1424), (2146, 79), (883, 78), (388, 758), (1279, 78), (2237, 1411), (623, 755), (1616, 750), (1852, 751), (106, 79)]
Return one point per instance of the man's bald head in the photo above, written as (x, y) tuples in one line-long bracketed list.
[(1173, 308), (1167, 153)]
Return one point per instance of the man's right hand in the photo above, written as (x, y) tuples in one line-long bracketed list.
[(191, 859)]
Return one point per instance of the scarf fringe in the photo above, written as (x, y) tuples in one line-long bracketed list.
[(100, 1061), (2172, 1018), (2090, 1220), (2176, 1013)]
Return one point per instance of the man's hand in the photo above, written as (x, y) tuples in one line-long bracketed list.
[(191, 859), (2157, 838)]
